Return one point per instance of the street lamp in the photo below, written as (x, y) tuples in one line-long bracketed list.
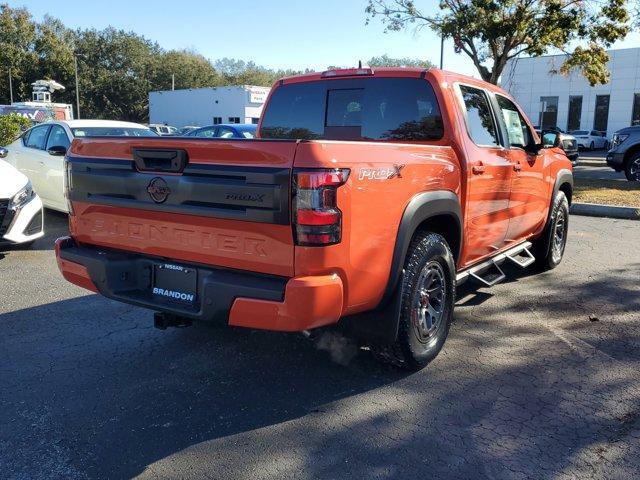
[(75, 64), (10, 86)]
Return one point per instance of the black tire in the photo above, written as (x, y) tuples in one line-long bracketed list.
[(549, 248), (632, 168), (421, 333)]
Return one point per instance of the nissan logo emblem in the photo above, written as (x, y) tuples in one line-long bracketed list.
[(158, 190)]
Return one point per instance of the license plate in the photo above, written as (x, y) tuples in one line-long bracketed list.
[(175, 282)]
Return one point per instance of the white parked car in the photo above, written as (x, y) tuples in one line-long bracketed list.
[(39, 152), (20, 208), (164, 130), (591, 139)]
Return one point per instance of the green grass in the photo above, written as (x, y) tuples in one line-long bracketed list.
[(607, 192)]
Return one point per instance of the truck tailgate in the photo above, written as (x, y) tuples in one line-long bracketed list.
[(227, 205)]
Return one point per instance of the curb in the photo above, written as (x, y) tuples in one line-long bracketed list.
[(597, 210), (592, 163)]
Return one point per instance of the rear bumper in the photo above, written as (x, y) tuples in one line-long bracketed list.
[(245, 299), (573, 156), (615, 160)]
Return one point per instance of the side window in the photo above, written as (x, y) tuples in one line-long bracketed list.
[(482, 128), (518, 131), (25, 137), (37, 137), (206, 133), (224, 132), (57, 137)]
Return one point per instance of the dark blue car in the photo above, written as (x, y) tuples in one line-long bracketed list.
[(225, 130)]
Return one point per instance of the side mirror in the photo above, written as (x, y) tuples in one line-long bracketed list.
[(3, 152), (550, 139), (57, 151)]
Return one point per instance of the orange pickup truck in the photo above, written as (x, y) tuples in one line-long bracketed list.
[(365, 199)]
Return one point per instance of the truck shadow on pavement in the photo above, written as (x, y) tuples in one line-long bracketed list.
[(91, 389), (539, 379)]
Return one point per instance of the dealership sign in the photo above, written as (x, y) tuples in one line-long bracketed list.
[(37, 114)]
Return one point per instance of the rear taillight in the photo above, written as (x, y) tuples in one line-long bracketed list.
[(317, 220), (67, 185)]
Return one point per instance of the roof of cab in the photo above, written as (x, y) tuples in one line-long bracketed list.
[(438, 74)]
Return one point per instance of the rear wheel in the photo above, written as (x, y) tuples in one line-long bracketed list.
[(632, 169), (549, 248), (428, 295)]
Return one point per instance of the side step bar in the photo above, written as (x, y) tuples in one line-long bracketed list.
[(492, 275), (489, 272)]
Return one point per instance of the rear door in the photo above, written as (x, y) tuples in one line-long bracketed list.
[(53, 167), (528, 200), (32, 158), (489, 174), (213, 202)]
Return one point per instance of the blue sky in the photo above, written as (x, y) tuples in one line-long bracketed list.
[(280, 34)]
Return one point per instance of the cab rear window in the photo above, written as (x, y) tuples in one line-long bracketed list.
[(403, 109)]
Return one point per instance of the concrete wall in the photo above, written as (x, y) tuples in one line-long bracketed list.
[(528, 79), (200, 106)]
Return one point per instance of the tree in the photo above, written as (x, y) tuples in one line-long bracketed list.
[(496, 31), (239, 72), (116, 71), (386, 61), (17, 50), (11, 126), (191, 70)]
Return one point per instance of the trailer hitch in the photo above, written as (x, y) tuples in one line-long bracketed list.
[(163, 320)]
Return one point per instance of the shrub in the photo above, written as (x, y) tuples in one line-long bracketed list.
[(11, 126)]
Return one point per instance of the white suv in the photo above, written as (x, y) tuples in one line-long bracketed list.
[(20, 207), (39, 152)]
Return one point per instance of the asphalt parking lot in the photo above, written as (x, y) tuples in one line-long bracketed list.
[(593, 166), (540, 378)]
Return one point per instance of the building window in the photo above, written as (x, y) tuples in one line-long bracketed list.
[(548, 112), (575, 112), (217, 120), (234, 119), (255, 120), (635, 116), (601, 117)]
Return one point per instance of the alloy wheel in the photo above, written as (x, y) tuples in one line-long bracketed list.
[(559, 236), (634, 170), (428, 303)]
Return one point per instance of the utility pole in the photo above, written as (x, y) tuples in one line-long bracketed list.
[(173, 81), (441, 50), (75, 64), (10, 86)]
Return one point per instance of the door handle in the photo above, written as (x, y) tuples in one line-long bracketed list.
[(478, 168), (517, 166)]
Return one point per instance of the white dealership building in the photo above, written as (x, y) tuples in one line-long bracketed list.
[(569, 102), (207, 106)]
